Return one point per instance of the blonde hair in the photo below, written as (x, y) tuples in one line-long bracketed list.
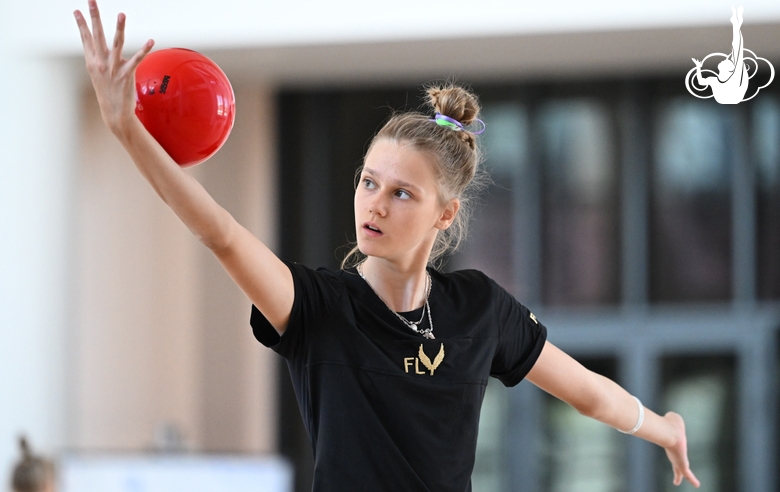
[(455, 154), (32, 473)]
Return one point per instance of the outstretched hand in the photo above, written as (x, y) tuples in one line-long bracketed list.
[(678, 453), (112, 76)]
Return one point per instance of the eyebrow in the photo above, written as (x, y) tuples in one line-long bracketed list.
[(397, 182)]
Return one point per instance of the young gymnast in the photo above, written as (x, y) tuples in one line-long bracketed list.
[(388, 356)]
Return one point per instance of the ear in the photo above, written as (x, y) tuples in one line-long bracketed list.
[(448, 214)]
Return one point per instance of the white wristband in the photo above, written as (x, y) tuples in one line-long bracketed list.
[(639, 420)]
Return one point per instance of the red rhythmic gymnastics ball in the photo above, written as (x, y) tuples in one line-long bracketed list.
[(186, 102)]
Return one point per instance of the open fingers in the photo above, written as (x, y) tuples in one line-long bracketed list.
[(133, 62), (98, 34), (687, 474), (692, 478), (115, 57), (86, 35)]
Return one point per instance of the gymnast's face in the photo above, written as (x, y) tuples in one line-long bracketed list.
[(398, 209)]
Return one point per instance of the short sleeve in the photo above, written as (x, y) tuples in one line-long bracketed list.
[(521, 338), (316, 292)]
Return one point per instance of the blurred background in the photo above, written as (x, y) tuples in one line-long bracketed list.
[(642, 226)]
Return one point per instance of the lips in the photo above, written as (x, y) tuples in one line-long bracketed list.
[(372, 229)]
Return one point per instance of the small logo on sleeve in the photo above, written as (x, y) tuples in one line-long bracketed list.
[(531, 315), (414, 362)]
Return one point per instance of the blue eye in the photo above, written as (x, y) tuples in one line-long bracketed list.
[(368, 183)]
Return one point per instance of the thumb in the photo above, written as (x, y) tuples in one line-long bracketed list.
[(136, 60)]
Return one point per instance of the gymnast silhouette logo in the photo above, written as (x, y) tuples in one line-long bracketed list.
[(730, 85)]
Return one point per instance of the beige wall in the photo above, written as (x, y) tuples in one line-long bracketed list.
[(162, 334)]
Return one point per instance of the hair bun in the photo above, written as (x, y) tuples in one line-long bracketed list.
[(454, 101), (24, 446)]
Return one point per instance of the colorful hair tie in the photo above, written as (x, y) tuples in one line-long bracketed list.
[(456, 125)]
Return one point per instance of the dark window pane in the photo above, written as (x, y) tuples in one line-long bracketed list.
[(691, 208), (766, 131), (582, 454), (580, 210), (490, 247), (490, 465), (702, 389)]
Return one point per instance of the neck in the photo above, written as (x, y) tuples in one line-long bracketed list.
[(402, 288)]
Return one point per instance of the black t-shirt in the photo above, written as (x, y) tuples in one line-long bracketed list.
[(385, 408)]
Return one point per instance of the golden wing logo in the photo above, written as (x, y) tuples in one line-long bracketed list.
[(533, 318), (427, 362)]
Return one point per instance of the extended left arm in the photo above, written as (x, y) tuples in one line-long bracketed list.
[(597, 397)]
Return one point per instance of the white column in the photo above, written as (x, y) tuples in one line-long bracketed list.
[(38, 136)]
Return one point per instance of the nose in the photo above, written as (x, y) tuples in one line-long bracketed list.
[(377, 205)]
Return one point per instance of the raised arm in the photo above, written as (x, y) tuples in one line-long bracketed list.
[(602, 399), (736, 39), (257, 271), (702, 81)]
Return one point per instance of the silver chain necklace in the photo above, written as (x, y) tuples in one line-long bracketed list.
[(415, 326)]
